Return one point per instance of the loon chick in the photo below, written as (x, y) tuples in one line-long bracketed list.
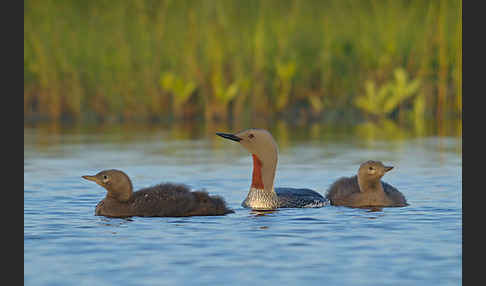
[(262, 194), (366, 189), (163, 200)]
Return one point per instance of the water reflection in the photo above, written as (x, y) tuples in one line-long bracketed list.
[(117, 222), (258, 213), (366, 133), (381, 130), (375, 209)]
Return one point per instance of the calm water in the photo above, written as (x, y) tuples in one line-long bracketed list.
[(65, 244)]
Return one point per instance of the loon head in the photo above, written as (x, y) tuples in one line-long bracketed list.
[(262, 146), (116, 183), (370, 173)]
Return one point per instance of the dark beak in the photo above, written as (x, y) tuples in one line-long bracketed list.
[(388, 168), (229, 136)]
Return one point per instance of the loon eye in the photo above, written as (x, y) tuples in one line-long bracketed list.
[(251, 136)]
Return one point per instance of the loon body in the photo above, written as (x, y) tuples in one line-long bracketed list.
[(163, 200), (262, 194), (366, 189), (299, 198)]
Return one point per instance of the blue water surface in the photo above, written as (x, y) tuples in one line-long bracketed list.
[(65, 244)]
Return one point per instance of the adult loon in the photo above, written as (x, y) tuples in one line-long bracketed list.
[(262, 194), (163, 200), (366, 189)]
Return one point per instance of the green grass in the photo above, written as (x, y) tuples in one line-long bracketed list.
[(218, 59)]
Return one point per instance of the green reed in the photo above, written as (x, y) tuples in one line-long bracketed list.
[(218, 59)]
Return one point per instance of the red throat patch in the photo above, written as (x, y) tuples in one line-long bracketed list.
[(256, 179)]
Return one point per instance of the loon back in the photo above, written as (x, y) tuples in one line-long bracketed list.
[(164, 200), (299, 198), (176, 200), (394, 195)]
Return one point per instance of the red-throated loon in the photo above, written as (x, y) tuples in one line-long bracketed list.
[(262, 194)]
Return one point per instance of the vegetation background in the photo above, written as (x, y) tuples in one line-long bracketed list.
[(396, 61)]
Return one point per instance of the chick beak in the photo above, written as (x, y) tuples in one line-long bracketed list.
[(229, 136), (91, 178)]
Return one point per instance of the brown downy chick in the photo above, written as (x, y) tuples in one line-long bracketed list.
[(163, 200), (366, 189)]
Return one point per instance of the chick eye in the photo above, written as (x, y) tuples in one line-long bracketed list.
[(105, 177), (371, 168), (251, 136)]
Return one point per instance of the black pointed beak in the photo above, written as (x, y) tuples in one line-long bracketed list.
[(388, 168), (229, 136)]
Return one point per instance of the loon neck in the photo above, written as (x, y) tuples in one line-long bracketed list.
[(262, 176), (256, 178), (370, 186), (261, 196), (261, 199)]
